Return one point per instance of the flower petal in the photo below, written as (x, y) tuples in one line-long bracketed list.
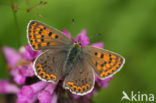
[(103, 83), (28, 70), (11, 55), (31, 90), (30, 54), (99, 45), (28, 91), (83, 38), (45, 95), (23, 99), (7, 87), (54, 98), (67, 33), (17, 76)]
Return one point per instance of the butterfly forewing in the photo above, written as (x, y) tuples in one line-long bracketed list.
[(104, 62), (42, 36), (49, 64), (80, 80)]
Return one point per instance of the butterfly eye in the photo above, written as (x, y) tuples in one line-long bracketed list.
[(79, 42)]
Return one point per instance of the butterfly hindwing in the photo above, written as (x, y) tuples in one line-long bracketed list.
[(49, 64), (42, 36), (104, 62), (80, 80)]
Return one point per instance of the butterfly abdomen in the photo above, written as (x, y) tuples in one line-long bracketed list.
[(71, 57)]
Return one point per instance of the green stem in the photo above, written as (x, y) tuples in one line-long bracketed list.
[(16, 23)]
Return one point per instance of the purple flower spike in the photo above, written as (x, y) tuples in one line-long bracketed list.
[(19, 78), (6, 87), (24, 99), (30, 54), (83, 38), (45, 95), (67, 33), (20, 73), (54, 98), (30, 91), (28, 70), (12, 56), (103, 83), (76, 96), (99, 45)]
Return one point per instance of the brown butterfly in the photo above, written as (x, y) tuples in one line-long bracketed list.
[(61, 58)]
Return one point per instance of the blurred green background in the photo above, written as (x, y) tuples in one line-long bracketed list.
[(128, 27)]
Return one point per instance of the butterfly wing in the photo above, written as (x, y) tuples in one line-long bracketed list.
[(80, 80), (42, 36), (104, 62), (49, 64)]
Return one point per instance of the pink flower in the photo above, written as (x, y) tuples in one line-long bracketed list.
[(12, 56), (45, 96), (21, 62), (30, 54), (28, 93), (7, 87)]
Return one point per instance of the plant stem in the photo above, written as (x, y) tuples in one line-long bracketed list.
[(16, 23)]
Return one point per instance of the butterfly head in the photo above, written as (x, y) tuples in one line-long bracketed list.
[(77, 44)]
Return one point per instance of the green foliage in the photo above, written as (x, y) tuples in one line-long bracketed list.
[(128, 27)]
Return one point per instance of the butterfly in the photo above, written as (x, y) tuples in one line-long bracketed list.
[(61, 58)]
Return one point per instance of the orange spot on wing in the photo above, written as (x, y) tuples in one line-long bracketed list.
[(99, 61), (36, 32), (41, 26), (98, 55), (113, 60), (40, 68), (98, 67), (111, 64), (48, 76), (79, 88), (53, 35), (53, 76), (74, 87), (108, 65), (70, 83), (33, 41), (104, 67), (87, 86), (113, 68), (37, 29), (52, 43), (35, 23), (32, 29), (84, 87), (106, 57), (102, 74), (41, 72), (43, 44), (38, 40), (38, 36), (36, 46), (47, 39), (31, 33), (113, 56)]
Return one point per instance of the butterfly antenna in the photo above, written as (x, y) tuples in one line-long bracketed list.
[(73, 22), (94, 36)]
